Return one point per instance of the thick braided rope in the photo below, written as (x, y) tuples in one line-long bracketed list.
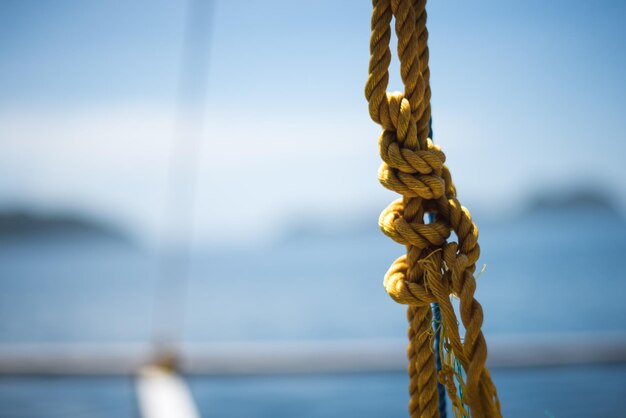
[(394, 114), (433, 268)]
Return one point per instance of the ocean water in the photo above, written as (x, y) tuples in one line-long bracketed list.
[(552, 274), (544, 274), (542, 393)]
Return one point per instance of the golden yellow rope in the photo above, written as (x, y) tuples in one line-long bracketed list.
[(433, 269)]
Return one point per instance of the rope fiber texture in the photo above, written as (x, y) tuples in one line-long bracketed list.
[(433, 268)]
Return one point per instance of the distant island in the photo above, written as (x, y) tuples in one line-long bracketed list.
[(26, 224), (580, 199)]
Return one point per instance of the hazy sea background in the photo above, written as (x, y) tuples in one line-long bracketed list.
[(555, 270), (549, 270)]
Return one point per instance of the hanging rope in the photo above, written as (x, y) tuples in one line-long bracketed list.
[(433, 268)]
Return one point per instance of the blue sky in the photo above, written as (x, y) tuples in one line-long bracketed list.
[(526, 95)]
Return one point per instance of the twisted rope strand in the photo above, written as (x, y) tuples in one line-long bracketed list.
[(432, 268)]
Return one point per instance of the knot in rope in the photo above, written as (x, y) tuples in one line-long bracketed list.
[(403, 291), (411, 232), (407, 160), (433, 268), (412, 166)]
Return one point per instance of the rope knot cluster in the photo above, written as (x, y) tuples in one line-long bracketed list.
[(413, 173), (433, 268)]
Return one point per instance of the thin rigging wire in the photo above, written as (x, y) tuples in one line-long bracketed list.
[(174, 256)]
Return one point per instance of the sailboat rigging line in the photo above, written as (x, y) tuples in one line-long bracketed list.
[(175, 245)]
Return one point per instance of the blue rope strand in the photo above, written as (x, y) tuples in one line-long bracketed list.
[(437, 327), (440, 388)]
